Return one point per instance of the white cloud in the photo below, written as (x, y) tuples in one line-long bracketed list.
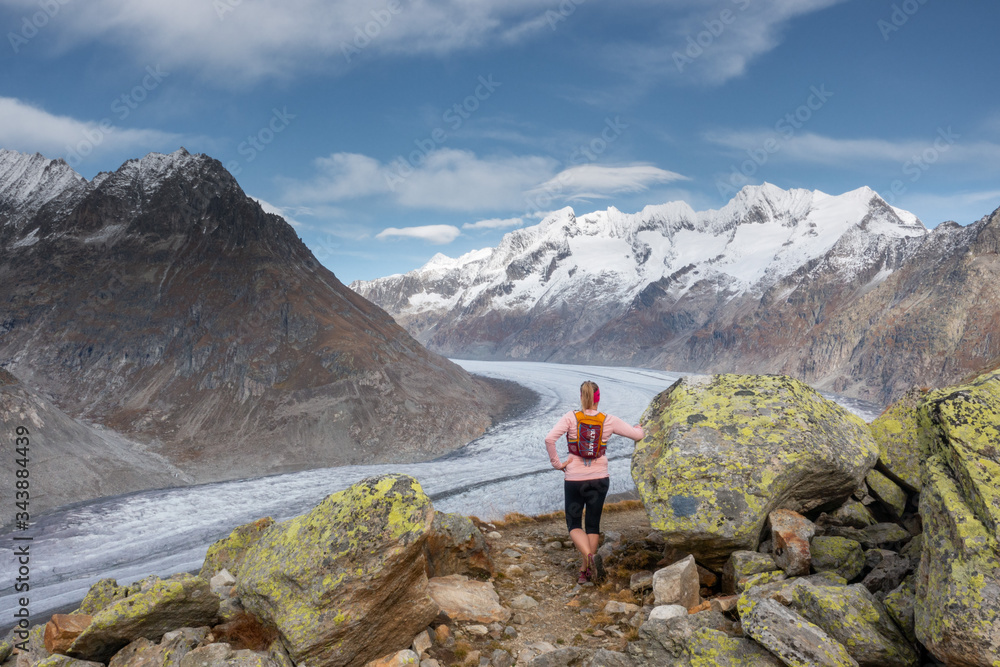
[(591, 181), (31, 129), (445, 179), (939, 146), (494, 223), (243, 41), (714, 41), (436, 234)]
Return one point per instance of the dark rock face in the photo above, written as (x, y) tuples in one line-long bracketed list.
[(162, 302)]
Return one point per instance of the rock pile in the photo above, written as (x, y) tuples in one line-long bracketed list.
[(786, 532)]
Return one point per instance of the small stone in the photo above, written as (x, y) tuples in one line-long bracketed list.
[(514, 571), (614, 607), (493, 535), (641, 581), (441, 634), (472, 658), (704, 606), (510, 631), (540, 575), (706, 577), (724, 603), (501, 658), (568, 545), (430, 662), (668, 611), (222, 583), (523, 602), (599, 633), (511, 553), (398, 659), (677, 584), (790, 533), (519, 618), (554, 546), (477, 630), (63, 629), (422, 643)]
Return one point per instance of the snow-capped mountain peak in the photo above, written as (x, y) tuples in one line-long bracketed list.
[(28, 182)]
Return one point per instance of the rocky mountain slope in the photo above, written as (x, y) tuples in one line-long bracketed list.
[(771, 282), (163, 303)]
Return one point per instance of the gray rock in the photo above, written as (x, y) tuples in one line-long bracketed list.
[(889, 536), (852, 616), (687, 641), (843, 556), (640, 581), (900, 604), (455, 546), (793, 639), (677, 584), (888, 574)]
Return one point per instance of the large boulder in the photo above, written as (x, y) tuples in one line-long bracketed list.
[(183, 600), (722, 452), (792, 638), (897, 433), (960, 508), (694, 640), (462, 600), (345, 583)]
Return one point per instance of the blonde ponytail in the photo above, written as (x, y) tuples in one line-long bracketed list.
[(587, 395)]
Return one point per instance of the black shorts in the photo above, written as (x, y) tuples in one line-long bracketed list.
[(588, 493)]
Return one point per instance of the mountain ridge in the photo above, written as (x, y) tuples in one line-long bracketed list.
[(161, 302), (755, 286)]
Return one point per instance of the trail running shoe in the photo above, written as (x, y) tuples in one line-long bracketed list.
[(584, 576), (597, 567)]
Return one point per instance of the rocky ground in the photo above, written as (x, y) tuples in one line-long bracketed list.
[(535, 558)]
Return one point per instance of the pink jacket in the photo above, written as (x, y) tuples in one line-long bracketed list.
[(578, 469)]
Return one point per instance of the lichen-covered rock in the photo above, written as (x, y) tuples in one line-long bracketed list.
[(900, 603), (960, 508), (960, 564), (183, 600), (897, 433), (852, 513), (36, 648), (228, 552), (721, 452), (456, 546), (760, 579), (6, 648), (463, 600), (838, 554), (102, 594), (698, 640), (888, 573), (742, 565), (168, 653), (346, 582), (852, 616), (59, 660), (786, 634), (790, 535), (892, 497), (223, 655), (889, 536)]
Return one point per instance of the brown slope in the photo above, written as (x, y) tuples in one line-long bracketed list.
[(166, 304)]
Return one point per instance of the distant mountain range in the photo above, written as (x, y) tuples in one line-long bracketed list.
[(162, 303), (845, 292)]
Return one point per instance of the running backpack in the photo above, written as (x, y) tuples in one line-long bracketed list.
[(589, 431)]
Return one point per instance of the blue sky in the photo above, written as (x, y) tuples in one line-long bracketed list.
[(389, 130)]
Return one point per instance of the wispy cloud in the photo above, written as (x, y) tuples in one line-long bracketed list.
[(276, 210), (591, 181), (29, 128), (494, 223), (940, 145), (436, 234)]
